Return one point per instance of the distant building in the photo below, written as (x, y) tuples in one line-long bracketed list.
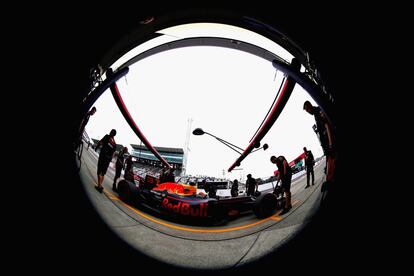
[(95, 142), (119, 147), (143, 155)]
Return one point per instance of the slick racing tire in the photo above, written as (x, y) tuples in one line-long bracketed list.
[(125, 191), (265, 205)]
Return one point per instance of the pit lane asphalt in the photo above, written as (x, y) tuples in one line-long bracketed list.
[(240, 241)]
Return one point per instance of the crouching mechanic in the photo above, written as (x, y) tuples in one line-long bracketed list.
[(285, 176)]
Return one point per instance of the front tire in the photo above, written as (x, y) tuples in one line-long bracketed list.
[(265, 205), (125, 191)]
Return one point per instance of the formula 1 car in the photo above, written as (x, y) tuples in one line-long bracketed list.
[(181, 202)]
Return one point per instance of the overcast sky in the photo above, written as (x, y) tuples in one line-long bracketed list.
[(223, 91)]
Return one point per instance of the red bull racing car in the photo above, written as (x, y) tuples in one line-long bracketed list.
[(182, 202)]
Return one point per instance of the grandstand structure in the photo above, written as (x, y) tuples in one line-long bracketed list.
[(174, 156)]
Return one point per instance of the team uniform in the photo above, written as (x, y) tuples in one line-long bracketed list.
[(105, 156)]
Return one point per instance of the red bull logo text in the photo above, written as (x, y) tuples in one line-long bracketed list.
[(186, 209)]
